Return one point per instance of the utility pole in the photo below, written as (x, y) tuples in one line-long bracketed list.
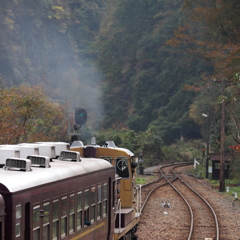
[(222, 160)]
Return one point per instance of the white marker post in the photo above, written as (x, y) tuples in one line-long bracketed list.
[(196, 163)]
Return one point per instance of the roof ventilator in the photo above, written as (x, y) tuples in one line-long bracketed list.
[(39, 161), (77, 144), (70, 156), (18, 164)]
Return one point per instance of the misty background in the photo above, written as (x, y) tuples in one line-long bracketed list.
[(47, 43), (113, 58)]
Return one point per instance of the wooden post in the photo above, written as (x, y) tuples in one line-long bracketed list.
[(222, 160)]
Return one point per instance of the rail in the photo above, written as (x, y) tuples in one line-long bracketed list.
[(210, 207)]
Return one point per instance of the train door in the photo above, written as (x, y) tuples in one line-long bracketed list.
[(2, 217), (27, 222)]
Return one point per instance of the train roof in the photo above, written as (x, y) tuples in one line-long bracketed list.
[(109, 145), (16, 181), (127, 151)]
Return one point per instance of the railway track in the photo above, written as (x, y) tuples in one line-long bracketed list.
[(184, 212), (148, 189)]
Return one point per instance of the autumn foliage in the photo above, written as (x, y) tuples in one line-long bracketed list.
[(27, 115), (211, 32)]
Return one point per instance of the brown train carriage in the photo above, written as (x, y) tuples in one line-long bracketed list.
[(69, 200)]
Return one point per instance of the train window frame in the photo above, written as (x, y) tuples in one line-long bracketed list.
[(55, 218), (64, 215), (99, 202), (86, 206), (105, 199), (79, 209), (122, 171), (72, 220), (93, 204)]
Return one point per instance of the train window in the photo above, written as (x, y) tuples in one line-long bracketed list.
[(36, 216), (36, 234), (99, 202), (55, 219), (55, 230), (93, 202), (105, 190), (46, 209), (18, 215), (72, 203), (86, 198), (46, 232), (79, 210), (36, 222), (46, 221), (122, 167), (86, 208), (72, 213), (64, 227), (55, 210), (64, 205), (18, 211), (18, 233), (105, 194)]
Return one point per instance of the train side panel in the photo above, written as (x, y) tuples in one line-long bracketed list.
[(76, 208)]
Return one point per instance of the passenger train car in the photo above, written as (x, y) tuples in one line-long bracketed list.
[(55, 193)]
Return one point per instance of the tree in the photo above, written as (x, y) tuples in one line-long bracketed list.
[(27, 115)]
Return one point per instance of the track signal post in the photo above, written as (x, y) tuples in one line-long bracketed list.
[(80, 116)]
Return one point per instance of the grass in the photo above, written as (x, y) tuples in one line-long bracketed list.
[(200, 172), (143, 179), (140, 180), (228, 183)]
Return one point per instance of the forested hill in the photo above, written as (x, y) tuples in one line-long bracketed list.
[(144, 76), (116, 58)]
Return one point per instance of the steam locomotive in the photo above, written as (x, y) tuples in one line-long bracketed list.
[(53, 191)]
